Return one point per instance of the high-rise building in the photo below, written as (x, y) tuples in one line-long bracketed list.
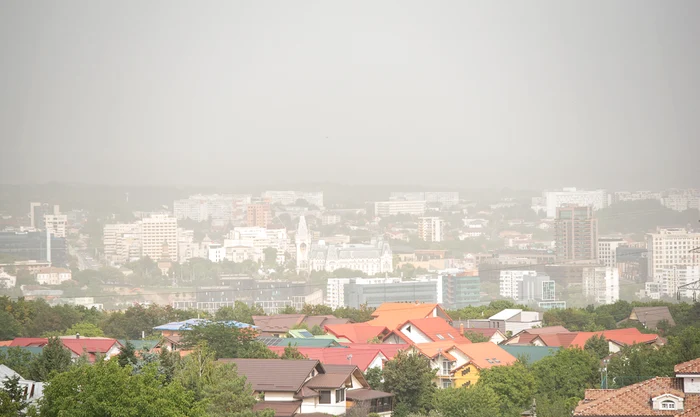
[(576, 234), (510, 281), (221, 209), (34, 246), (672, 247), (392, 208), (431, 229), (668, 280), (158, 231), (597, 199), (258, 215), (458, 291), (536, 288), (335, 288), (607, 250), (56, 224), (374, 295), (602, 284)]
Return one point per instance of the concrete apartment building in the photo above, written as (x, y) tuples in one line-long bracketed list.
[(56, 224), (431, 229), (666, 282), (510, 281), (445, 198), (607, 250), (671, 247), (392, 208), (597, 199), (602, 284), (335, 288), (221, 209), (576, 234), (157, 232), (258, 215)]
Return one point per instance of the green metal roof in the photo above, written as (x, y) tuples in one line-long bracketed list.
[(532, 353), (31, 349)]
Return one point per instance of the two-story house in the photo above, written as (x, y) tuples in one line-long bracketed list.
[(426, 330), (292, 387)]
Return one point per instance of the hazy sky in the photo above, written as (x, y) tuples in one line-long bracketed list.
[(460, 93)]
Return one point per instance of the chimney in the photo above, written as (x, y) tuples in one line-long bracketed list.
[(77, 335), (461, 328)]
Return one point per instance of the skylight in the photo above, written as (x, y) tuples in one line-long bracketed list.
[(439, 336)]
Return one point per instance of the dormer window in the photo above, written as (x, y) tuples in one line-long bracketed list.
[(668, 405), (667, 402)]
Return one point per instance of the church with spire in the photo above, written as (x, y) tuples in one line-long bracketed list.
[(373, 258)]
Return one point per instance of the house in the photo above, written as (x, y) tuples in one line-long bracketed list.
[(362, 358), (432, 329), (298, 342), (389, 350), (279, 324), (526, 336), (357, 332), (392, 315), (650, 317), (92, 347), (530, 354), (460, 364), (33, 390), (617, 338), (53, 276), (301, 387), (177, 328), (660, 396), (494, 335), (509, 321)]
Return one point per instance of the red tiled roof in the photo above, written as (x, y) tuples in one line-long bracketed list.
[(392, 315), (437, 329), (90, 345), (389, 350), (552, 340), (361, 358), (482, 331), (356, 332), (30, 341), (690, 367), (629, 336), (635, 400)]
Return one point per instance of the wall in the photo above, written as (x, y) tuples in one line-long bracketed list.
[(471, 375)]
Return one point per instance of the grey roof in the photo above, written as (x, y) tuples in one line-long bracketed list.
[(275, 374), (328, 381), (303, 342), (532, 353), (366, 394), (7, 372), (651, 316)]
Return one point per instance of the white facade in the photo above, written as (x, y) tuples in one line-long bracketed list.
[(392, 208), (330, 218), (602, 284), (445, 198), (122, 242), (373, 258), (510, 280), (667, 280), (53, 276), (56, 223), (335, 289), (290, 197), (431, 229), (607, 251), (156, 232), (671, 247), (620, 196), (222, 209), (598, 199), (7, 280), (681, 200)]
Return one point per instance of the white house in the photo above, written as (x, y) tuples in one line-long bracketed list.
[(53, 276)]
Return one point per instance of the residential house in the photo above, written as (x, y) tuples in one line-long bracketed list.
[(509, 321), (660, 396), (279, 324), (392, 315), (650, 317), (298, 342), (53, 276), (32, 390), (301, 387), (357, 332), (433, 329), (526, 336), (91, 347), (362, 358), (530, 354), (494, 335), (616, 338)]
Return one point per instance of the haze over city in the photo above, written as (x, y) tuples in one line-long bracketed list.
[(451, 94)]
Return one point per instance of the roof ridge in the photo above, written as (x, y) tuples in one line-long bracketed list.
[(616, 392)]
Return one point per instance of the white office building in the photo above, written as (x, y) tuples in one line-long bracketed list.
[(510, 281), (392, 208), (431, 229), (607, 250), (286, 198), (602, 284), (666, 282), (159, 234), (598, 199), (671, 247), (221, 209), (335, 289), (56, 224), (621, 196)]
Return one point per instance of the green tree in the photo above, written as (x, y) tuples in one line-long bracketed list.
[(226, 393), (475, 337), (598, 345), (228, 341), (316, 330), (54, 357), (566, 374), (292, 352), (106, 389), (240, 312), (476, 401), (270, 257), (410, 379), (374, 378), (17, 359), (12, 399), (10, 328), (515, 385), (84, 329), (127, 355), (638, 363), (288, 309)]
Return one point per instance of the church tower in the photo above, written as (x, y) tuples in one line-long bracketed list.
[(303, 243)]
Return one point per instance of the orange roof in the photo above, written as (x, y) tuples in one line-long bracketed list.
[(486, 354), (5, 342), (432, 349), (690, 367), (629, 336), (437, 329), (552, 340), (392, 315), (361, 358), (389, 350), (356, 332)]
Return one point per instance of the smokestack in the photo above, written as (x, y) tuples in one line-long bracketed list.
[(48, 245)]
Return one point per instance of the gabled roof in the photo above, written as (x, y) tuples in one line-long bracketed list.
[(348, 370), (356, 332), (486, 354), (278, 322), (686, 368), (7, 372), (392, 315), (361, 358), (506, 314), (635, 400), (532, 353), (546, 330), (327, 381), (190, 323), (30, 341), (552, 340), (629, 336), (281, 408), (486, 332), (90, 345), (389, 350), (275, 375), (436, 329), (433, 349), (651, 316)]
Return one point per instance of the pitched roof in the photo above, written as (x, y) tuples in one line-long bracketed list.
[(483, 331), (532, 353), (546, 330), (190, 323), (506, 314), (356, 332), (90, 345), (437, 329), (366, 394), (486, 354), (281, 408), (628, 336), (275, 374), (389, 350), (552, 340), (327, 381), (30, 341), (7, 372), (278, 322), (651, 316), (321, 321), (434, 349), (635, 400), (690, 367), (392, 315), (361, 358)]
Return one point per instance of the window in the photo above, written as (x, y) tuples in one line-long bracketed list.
[(668, 405), (447, 384), (446, 367), (339, 395), (325, 397)]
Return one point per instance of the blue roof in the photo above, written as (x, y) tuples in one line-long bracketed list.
[(531, 353), (189, 324)]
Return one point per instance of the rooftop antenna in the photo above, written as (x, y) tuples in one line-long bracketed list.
[(349, 358)]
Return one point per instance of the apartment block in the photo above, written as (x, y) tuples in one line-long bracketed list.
[(159, 234), (510, 281), (392, 208), (597, 199), (668, 248), (314, 198), (258, 215), (431, 229), (576, 233), (602, 284), (607, 250)]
